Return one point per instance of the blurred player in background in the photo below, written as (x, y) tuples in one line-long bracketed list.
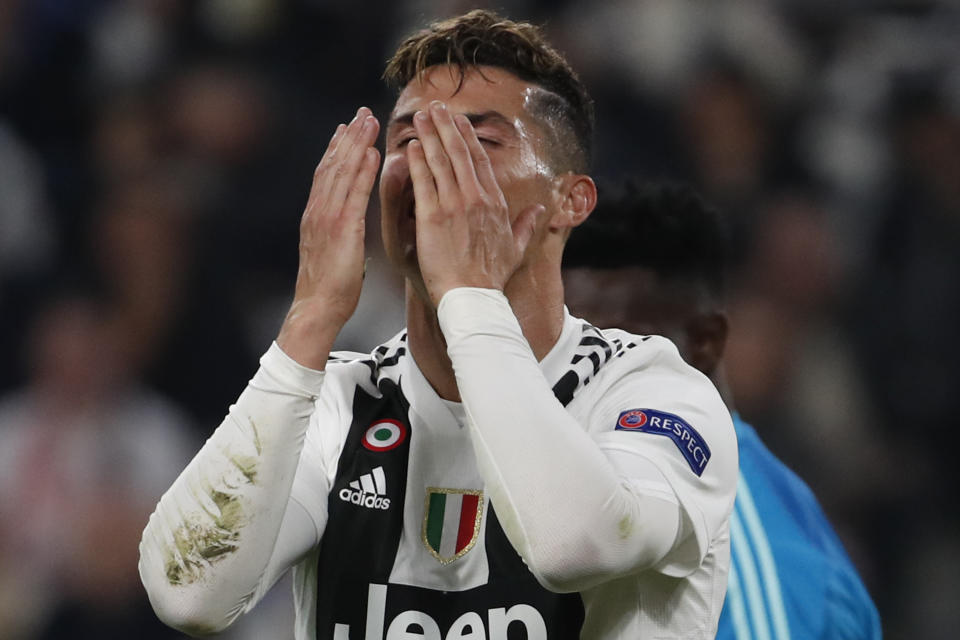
[(662, 271)]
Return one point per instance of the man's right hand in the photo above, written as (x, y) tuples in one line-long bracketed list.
[(331, 243)]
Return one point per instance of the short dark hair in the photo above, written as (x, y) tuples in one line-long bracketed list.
[(667, 228), (483, 38)]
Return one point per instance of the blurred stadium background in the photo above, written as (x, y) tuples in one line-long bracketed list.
[(155, 156)]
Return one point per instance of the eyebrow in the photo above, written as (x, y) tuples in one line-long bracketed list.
[(491, 117)]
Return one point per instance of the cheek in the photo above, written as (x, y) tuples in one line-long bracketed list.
[(522, 184)]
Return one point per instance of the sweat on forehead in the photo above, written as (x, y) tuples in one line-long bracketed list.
[(555, 117)]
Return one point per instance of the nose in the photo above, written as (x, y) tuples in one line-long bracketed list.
[(396, 167), (393, 174), (396, 184)]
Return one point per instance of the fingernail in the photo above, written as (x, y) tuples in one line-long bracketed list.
[(438, 106), (421, 116)]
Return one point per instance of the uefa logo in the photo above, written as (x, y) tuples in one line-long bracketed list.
[(634, 419)]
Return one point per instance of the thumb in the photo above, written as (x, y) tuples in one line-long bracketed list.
[(525, 225)]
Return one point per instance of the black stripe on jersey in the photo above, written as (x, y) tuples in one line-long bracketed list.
[(598, 351), (601, 342), (566, 386), (387, 356), (394, 359), (383, 357), (360, 542), (562, 612)]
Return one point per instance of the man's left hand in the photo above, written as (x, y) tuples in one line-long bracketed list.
[(465, 237)]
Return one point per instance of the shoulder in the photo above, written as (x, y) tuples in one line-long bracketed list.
[(642, 396), (646, 372), (601, 356), (645, 406)]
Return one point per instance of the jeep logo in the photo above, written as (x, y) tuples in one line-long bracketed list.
[(417, 625)]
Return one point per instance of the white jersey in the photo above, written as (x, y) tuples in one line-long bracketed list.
[(425, 518)]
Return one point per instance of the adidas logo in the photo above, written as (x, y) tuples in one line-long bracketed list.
[(369, 491)]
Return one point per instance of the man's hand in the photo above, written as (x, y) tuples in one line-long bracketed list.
[(331, 242), (465, 237)]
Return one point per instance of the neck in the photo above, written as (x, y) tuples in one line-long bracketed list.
[(536, 299)]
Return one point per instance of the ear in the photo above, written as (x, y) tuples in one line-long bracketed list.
[(578, 196), (707, 335)]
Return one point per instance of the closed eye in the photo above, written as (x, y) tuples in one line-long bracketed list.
[(403, 142)]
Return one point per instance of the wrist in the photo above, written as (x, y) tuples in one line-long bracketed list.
[(470, 310), (439, 290), (307, 335)]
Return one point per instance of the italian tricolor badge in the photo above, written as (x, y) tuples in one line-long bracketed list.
[(451, 522)]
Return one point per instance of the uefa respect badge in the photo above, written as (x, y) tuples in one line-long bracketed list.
[(691, 444)]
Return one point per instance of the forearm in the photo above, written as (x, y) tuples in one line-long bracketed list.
[(567, 510), (207, 547)]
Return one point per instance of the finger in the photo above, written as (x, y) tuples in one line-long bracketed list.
[(342, 142), (337, 136), (436, 157), (350, 132), (482, 167), (359, 196), (525, 225), (331, 149), (455, 148), (346, 173), (424, 188), (331, 152)]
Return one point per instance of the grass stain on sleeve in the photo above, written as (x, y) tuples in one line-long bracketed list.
[(197, 545), (247, 465), (256, 437)]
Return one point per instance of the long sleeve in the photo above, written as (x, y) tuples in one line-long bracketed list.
[(572, 512), (210, 550)]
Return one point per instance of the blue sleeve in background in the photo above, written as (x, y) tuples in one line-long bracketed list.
[(790, 576)]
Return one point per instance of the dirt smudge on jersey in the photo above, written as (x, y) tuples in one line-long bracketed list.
[(256, 437), (199, 544), (247, 465), (212, 533)]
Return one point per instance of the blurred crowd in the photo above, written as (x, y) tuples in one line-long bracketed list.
[(155, 156)]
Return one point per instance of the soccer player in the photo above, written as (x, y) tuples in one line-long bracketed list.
[(662, 272), (497, 468)]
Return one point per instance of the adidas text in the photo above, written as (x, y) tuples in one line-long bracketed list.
[(364, 499), (369, 490)]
